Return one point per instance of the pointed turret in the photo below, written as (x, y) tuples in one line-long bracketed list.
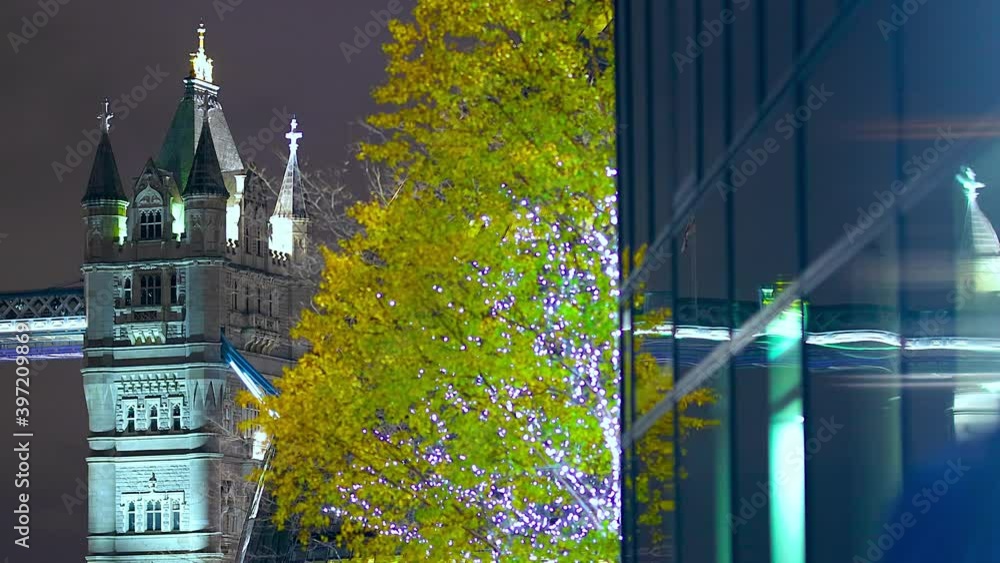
[(105, 182), (291, 199), (980, 239), (205, 177), (979, 257), (205, 198), (289, 222), (105, 201)]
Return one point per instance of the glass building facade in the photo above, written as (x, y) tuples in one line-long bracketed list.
[(812, 187)]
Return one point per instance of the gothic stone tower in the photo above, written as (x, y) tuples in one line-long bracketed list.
[(187, 254)]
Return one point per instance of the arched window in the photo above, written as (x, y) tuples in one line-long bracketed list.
[(150, 225), (260, 242), (130, 518), (173, 289), (175, 516), (150, 509), (149, 290), (130, 420), (260, 300), (128, 292), (154, 419), (176, 415)]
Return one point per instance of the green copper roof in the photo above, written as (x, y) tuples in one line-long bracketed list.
[(177, 152)]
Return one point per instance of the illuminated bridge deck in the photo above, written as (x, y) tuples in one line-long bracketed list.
[(851, 338), (55, 319)]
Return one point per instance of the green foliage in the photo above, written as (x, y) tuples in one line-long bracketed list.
[(460, 397)]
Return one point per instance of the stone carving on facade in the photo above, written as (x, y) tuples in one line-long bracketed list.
[(149, 197)]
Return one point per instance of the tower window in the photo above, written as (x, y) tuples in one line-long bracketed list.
[(176, 417), (150, 225), (260, 242), (260, 299), (235, 294), (130, 518), (173, 289), (250, 413), (154, 419), (158, 516), (128, 292), (130, 420), (175, 516), (149, 290)]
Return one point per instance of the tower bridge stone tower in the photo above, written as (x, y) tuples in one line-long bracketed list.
[(186, 252)]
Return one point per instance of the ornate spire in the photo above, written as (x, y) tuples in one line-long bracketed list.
[(291, 199), (105, 116), (202, 67), (980, 236), (967, 179)]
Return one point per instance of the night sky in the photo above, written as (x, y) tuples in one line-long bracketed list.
[(268, 56)]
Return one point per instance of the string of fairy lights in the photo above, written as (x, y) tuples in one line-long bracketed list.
[(570, 271)]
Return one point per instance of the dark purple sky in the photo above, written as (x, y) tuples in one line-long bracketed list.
[(268, 56)]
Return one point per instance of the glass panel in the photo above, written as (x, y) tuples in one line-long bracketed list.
[(850, 388)]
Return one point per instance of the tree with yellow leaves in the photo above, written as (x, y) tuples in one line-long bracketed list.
[(460, 399)]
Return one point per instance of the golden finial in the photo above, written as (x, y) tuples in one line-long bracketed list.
[(201, 65)]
